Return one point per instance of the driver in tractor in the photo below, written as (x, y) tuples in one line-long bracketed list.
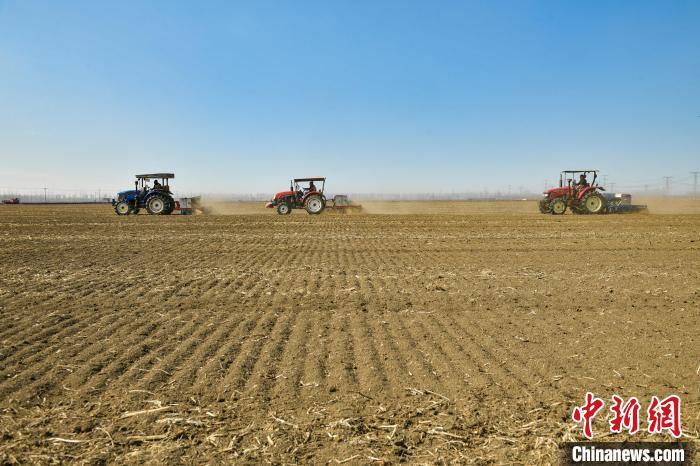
[(304, 191), (156, 184), (582, 182)]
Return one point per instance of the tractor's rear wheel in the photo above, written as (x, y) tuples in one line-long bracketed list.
[(122, 208), (558, 206), (314, 205), (593, 203), (284, 209), (156, 205), (169, 207)]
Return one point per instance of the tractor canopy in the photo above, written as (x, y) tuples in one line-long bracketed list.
[(313, 178), (156, 176)]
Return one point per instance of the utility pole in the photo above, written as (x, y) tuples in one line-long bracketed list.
[(612, 187), (667, 180), (45, 196), (695, 182), (605, 181)]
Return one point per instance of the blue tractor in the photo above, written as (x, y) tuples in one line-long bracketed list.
[(156, 199)]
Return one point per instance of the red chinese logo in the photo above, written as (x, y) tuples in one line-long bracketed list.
[(665, 415), (587, 412), (662, 415), (625, 416)]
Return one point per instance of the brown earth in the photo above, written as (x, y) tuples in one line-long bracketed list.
[(418, 338)]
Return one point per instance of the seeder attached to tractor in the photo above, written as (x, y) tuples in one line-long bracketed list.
[(188, 205), (342, 204)]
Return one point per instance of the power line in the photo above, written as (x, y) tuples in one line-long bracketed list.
[(667, 180)]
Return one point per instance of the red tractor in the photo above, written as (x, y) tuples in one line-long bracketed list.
[(14, 200), (308, 197), (578, 195)]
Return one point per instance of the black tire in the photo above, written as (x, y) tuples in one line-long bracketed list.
[(122, 208), (558, 206), (171, 206), (593, 203), (157, 204), (284, 208), (314, 204), (544, 206)]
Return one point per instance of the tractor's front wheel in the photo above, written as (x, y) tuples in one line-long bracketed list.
[(156, 205), (314, 205), (122, 208), (284, 209), (558, 206), (593, 203), (544, 206)]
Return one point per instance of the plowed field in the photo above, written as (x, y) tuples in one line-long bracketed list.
[(359, 338)]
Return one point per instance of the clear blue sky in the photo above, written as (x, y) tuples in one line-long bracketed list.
[(380, 96)]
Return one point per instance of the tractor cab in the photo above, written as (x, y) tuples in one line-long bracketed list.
[(579, 178), (160, 182), (301, 191), (156, 199)]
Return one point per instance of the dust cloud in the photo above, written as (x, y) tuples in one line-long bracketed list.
[(669, 204), (448, 207), (223, 207), (656, 204)]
